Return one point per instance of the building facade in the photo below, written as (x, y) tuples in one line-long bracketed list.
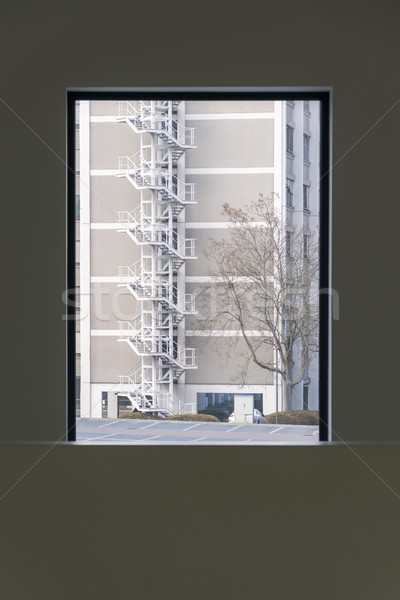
[(153, 176)]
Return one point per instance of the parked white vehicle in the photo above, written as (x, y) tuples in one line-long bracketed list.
[(257, 417)]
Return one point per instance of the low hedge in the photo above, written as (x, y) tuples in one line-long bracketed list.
[(139, 415), (222, 414), (192, 417), (296, 417)]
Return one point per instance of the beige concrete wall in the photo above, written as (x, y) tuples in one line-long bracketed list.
[(212, 191), (202, 236), (110, 195), (232, 143), (110, 359), (110, 140), (111, 304), (213, 301), (109, 250), (104, 108), (213, 366), (224, 106)]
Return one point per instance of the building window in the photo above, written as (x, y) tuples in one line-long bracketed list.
[(222, 404), (289, 241), (306, 197), (289, 139), (305, 246), (306, 148), (77, 207), (307, 105), (305, 397), (289, 193)]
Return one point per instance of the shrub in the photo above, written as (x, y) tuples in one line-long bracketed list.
[(192, 417), (221, 413), (138, 415), (296, 417)]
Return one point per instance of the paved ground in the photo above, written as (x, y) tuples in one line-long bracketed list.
[(149, 432)]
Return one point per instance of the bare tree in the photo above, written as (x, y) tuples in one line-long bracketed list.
[(264, 290)]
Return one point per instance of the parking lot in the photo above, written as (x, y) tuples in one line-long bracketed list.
[(149, 432)]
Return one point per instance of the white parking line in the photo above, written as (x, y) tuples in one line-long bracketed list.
[(198, 440), (146, 426), (101, 437), (107, 424), (275, 430), (191, 427), (147, 439), (233, 429)]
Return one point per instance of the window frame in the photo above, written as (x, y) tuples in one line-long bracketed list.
[(290, 138), (306, 148), (323, 95)]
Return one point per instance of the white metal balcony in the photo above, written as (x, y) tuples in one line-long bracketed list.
[(143, 175), (146, 399), (144, 232), (145, 116), (144, 286), (143, 396), (141, 338)]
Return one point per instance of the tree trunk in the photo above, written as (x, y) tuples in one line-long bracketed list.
[(287, 397)]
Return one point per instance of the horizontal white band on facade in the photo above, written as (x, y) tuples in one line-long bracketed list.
[(230, 171), (223, 116), (222, 333), (109, 279), (208, 278), (189, 225), (189, 333), (105, 226), (188, 279), (199, 171), (196, 117), (217, 224), (104, 172), (104, 119), (105, 333)]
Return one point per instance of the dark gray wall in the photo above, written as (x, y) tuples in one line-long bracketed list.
[(79, 44), (73, 526)]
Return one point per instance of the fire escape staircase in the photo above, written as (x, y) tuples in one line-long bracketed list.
[(145, 233), (144, 343), (141, 118), (143, 286), (142, 175), (152, 335), (142, 395)]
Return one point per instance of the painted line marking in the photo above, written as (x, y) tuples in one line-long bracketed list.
[(198, 440), (147, 439), (275, 430), (237, 427), (107, 424), (146, 426), (191, 427), (101, 437)]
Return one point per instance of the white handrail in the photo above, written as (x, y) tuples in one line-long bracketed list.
[(156, 178), (158, 234), (160, 121), (160, 345)]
